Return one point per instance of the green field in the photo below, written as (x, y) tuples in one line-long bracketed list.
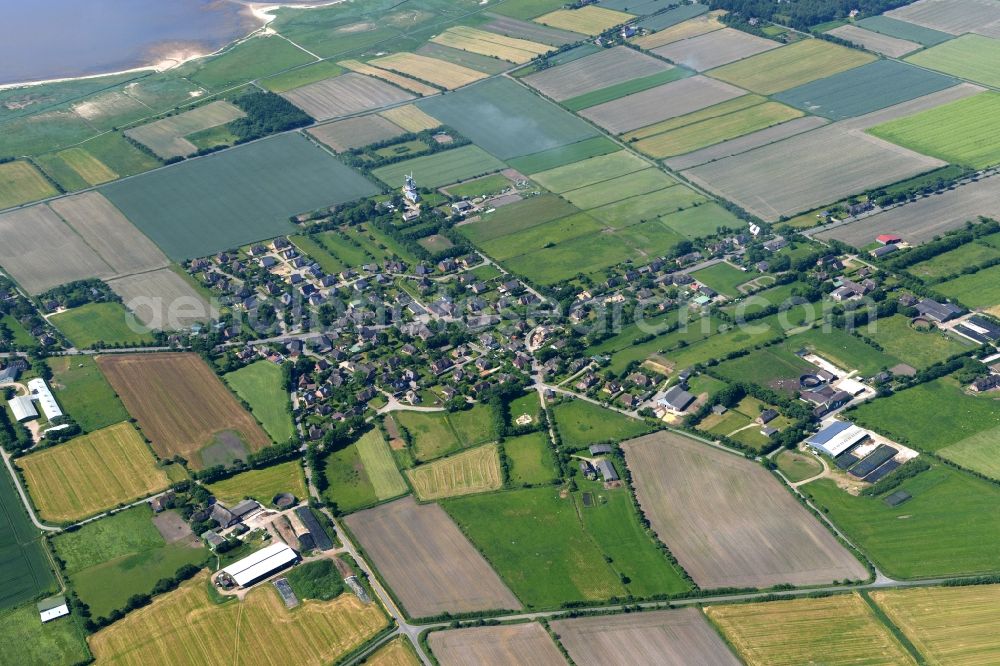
[(798, 466), (904, 30), (587, 172), (955, 261), (625, 88), (965, 132), (530, 459), (494, 184), (249, 60), (111, 559), (701, 220), (437, 434), (301, 76), (362, 474), (556, 157), (626, 187), (724, 278), (262, 484), (545, 235), (248, 193), (694, 331), (645, 207), (551, 551), (25, 640), (971, 57), (715, 111), (774, 367), (979, 452), (380, 466), (517, 217), (106, 324), (20, 182), (260, 384), (842, 349), (957, 509), (917, 348), (507, 120), (84, 393), (25, 572), (915, 415), (441, 168), (119, 155), (581, 423), (977, 290), (43, 132)]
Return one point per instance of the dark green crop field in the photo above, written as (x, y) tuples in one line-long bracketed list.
[(24, 567), (236, 197)]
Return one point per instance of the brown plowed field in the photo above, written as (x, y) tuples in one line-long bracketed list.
[(522, 644), (179, 403), (728, 521), (427, 561)]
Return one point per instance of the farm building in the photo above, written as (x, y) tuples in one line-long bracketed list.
[(607, 470), (939, 312), (889, 239), (263, 563), (884, 250), (837, 437), (676, 399), (23, 408), (213, 538), (600, 449), (53, 607), (39, 390)]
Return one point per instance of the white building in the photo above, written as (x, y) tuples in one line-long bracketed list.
[(23, 408), (39, 390), (53, 607), (260, 564), (837, 437)]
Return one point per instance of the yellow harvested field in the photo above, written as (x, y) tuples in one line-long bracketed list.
[(841, 629), (947, 625), (92, 473), (403, 82), (91, 169), (491, 44), (21, 182), (396, 652), (410, 118), (473, 471), (186, 628), (588, 20), (437, 72), (690, 28)]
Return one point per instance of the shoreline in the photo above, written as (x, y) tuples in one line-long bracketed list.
[(261, 11)]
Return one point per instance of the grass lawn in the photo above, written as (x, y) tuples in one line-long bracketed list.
[(107, 323), (25, 640), (977, 290), (842, 349), (530, 459), (954, 507), (724, 278), (262, 484), (917, 348), (260, 385), (798, 466), (581, 423), (526, 404), (84, 393)]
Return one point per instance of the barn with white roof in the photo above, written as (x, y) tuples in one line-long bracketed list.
[(837, 437), (260, 564)]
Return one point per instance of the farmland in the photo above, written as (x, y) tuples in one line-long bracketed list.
[(951, 16), (251, 59), (698, 25), (530, 459), (83, 392), (626, 187), (645, 207), (790, 66), (440, 73), (948, 503), (672, 474), (302, 76), (94, 323), (963, 132), (260, 385), (91, 474), (533, 31), (25, 640), (410, 118), (917, 348), (25, 573), (590, 171), (874, 41), (435, 435), (672, 638), (798, 466), (842, 349), (744, 143), (594, 72), (955, 261), (20, 182), (946, 624), (589, 20), (183, 408), (841, 629), (495, 646), (976, 290), (430, 565), (356, 132), (397, 652), (772, 367), (167, 137), (248, 192), (512, 49), (345, 95), (75, 168), (473, 471), (187, 627), (517, 217), (724, 278), (581, 424), (162, 299), (398, 80), (713, 49), (441, 168), (262, 484)]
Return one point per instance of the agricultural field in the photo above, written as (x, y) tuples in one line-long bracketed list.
[(252, 59), (700, 220), (107, 323), (397, 652), (588, 20), (398, 80), (26, 572), (438, 434), (168, 137), (114, 153), (971, 57), (916, 348), (248, 192), (874, 41), (886, 25), (724, 278), (713, 49), (410, 118), (668, 637), (187, 626), (946, 624), (495, 646), (955, 507), (517, 217), (511, 49), (430, 566), (661, 103), (91, 474), (963, 132), (353, 133), (842, 349), (955, 261), (624, 188), (590, 171), (465, 473), (20, 182), (301, 76), (109, 560), (25, 640), (693, 27), (803, 172), (162, 299), (260, 385), (84, 393), (767, 538), (530, 459), (506, 120), (976, 290), (345, 95), (581, 423), (262, 484), (798, 466), (442, 168), (75, 168), (745, 143), (773, 367), (601, 70), (646, 207), (841, 629), (183, 408), (480, 63), (528, 30), (951, 16), (440, 73)]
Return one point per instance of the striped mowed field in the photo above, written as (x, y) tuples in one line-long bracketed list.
[(473, 471), (380, 466), (92, 473)]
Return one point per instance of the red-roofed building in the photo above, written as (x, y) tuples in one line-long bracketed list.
[(889, 239)]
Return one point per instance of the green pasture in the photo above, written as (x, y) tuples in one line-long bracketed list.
[(798, 466), (84, 393), (25, 640), (436, 434), (702, 219), (101, 323), (262, 484), (301, 76), (970, 56), (621, 189), (581, 423), (517, 217), (645, 207), (589, 171), (249, 60), (917, 348), (557, 157), (976, 290), (955, 261), (442, 168), (842, 349), (774, 367), (724, 278), (260, 384), (530, 459), (25, 573)]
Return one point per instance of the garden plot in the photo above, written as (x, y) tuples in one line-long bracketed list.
[(972, 57), (955, 17), (345, 95), (667, 101), (353, 133), (430, 566), (526, 643), (512, 49), (874, 41), (41, 251), (666, 637), (166, 137), (809, 170), (440, 73), (600, 70), (744, 143), (163, 300), (728, 522), (587, 20), (716, 48), (397, 80)]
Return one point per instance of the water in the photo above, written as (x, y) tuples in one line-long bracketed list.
[(48, 39)]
